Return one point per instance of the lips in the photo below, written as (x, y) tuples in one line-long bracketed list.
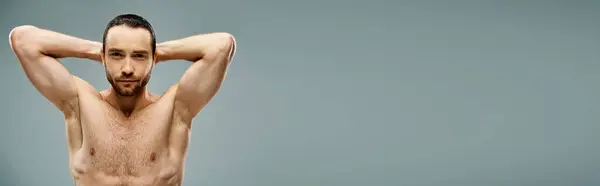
[(127, 82)]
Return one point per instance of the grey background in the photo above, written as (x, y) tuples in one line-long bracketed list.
[(340, 93)]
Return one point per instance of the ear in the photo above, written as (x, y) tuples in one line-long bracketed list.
[(102, 57), (155, 58)]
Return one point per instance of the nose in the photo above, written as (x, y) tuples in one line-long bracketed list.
[(127, 70), (127, 73)]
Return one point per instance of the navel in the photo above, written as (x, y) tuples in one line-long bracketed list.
[(152, 157), (92, 152)]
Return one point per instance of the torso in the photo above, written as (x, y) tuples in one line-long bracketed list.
[(120, 150)]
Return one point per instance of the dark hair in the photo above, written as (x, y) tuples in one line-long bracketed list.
[(133, 21)]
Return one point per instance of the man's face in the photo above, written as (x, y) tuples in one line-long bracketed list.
[(128, 59)]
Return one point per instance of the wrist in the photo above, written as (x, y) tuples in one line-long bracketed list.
[(92, 51), (161, 52)]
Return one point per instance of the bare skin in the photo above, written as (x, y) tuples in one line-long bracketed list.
[(121, 136)]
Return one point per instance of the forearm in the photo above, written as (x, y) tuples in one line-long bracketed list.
[(54, 44), (195, 47)]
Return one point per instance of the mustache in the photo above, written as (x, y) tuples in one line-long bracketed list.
[(127, 79)]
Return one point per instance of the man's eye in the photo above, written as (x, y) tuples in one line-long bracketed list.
[(139, 56), (116, 55)]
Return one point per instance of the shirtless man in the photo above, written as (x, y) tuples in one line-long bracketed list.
[(125, 135)]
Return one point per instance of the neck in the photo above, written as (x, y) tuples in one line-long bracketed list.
[(129, 104)]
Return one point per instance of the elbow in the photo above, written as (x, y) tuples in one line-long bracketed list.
[(214, 46), (229, 44), (20, 36)]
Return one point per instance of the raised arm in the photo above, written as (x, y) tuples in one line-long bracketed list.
[(38, 49), (211, 54)]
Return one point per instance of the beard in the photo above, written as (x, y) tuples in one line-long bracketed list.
[(131, 90)]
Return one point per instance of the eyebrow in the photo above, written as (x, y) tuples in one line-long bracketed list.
[(135, 51), (140, 52), (114, 50)]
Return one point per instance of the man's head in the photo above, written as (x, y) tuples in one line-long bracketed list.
[(128, 53)]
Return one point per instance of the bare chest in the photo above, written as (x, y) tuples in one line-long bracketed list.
[(117, 146)]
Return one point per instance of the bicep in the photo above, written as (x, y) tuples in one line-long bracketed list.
[(200, 83), (48, 76), (55, 83)]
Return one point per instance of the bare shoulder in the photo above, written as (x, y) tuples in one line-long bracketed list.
[(71, 107), (83, 87), (170, 92), (168, 100), (164, 102), (166, 97)]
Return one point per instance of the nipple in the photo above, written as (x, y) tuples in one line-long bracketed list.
[(153, 157)]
